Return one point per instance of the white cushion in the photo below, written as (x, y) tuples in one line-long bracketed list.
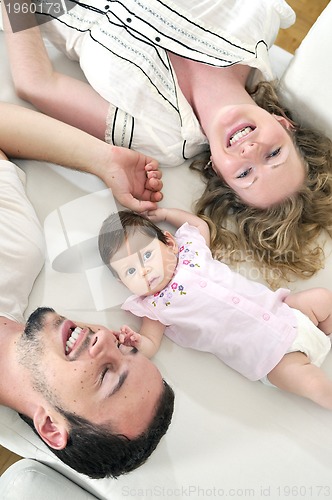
[(307, 82)]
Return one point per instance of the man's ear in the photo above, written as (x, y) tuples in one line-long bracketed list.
[(171, 241), (52, 429)]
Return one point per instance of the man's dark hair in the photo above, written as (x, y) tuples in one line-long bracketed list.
[(93, 449)]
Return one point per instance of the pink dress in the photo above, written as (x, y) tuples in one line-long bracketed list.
[(209, 307)]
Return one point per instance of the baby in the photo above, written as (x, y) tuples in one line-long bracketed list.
[(276, 337)]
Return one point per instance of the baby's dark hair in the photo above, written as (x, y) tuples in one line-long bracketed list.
[(118, 227)]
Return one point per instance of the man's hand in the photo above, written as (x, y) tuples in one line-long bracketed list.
[(134, 179)]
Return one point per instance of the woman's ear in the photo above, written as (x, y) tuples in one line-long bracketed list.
[(171, 242), (52, 429), (211, 165), (285, 122)]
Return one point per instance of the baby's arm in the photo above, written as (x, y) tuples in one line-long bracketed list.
[(177, 217), (316, 303), (147, 341)]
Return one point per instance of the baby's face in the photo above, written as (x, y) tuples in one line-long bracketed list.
[(147, 270)]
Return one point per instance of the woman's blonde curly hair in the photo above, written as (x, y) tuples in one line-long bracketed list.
[(281, 240)]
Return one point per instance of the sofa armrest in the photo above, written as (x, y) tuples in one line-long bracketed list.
[(33, 480)]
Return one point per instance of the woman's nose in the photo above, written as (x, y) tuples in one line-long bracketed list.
[(248, 148)]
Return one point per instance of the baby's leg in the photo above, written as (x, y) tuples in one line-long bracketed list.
[(316, 303), (294, 373)]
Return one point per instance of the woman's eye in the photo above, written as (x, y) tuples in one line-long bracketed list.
[(147, 255), (245, 173), (274, 153), (131, 271)]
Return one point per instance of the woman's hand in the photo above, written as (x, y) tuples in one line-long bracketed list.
[(134, 179)]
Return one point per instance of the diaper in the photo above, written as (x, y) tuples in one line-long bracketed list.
[(310, 340)]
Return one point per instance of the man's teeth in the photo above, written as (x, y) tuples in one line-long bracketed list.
[(72, 339), (239, 134)]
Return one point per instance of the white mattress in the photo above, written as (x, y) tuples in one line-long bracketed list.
[(229, 437)]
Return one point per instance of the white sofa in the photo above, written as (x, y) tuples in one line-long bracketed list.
[(229, 437)]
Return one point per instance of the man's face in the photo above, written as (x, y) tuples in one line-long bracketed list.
[(88, 374)]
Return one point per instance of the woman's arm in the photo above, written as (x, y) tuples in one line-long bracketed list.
[(177, 217), (55, 94), (134, 178)]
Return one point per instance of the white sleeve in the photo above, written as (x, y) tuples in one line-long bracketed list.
[(21, 244)]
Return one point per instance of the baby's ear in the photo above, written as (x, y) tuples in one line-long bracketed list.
[(171, 241)]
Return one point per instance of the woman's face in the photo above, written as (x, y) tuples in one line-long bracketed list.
[(254, 154)]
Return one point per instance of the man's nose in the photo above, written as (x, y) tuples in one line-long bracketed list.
[(104, 343)]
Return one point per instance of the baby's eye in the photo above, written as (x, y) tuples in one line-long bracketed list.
[(274, 153), (245, 173), (131, 271), (147, 255)]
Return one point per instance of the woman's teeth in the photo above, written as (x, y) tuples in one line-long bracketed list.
[(72, 339), (239, 134)]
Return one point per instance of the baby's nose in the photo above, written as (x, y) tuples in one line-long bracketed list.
[(145, 270)]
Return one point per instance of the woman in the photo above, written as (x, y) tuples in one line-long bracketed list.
[(172, 82)]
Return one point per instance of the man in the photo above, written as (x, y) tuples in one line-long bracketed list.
[(101, 409)]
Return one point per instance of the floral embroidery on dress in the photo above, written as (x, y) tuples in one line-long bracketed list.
[(187, 257)]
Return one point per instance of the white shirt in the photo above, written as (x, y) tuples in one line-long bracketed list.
[(123, 49), (22, 243)]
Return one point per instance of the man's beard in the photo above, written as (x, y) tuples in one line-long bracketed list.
[(30, 350)]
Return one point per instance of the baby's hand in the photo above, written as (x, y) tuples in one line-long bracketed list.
[(128, 337), (158, 215)]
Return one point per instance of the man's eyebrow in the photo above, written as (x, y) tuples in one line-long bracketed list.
[(123, 375), (122, 379), (58, 320)]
